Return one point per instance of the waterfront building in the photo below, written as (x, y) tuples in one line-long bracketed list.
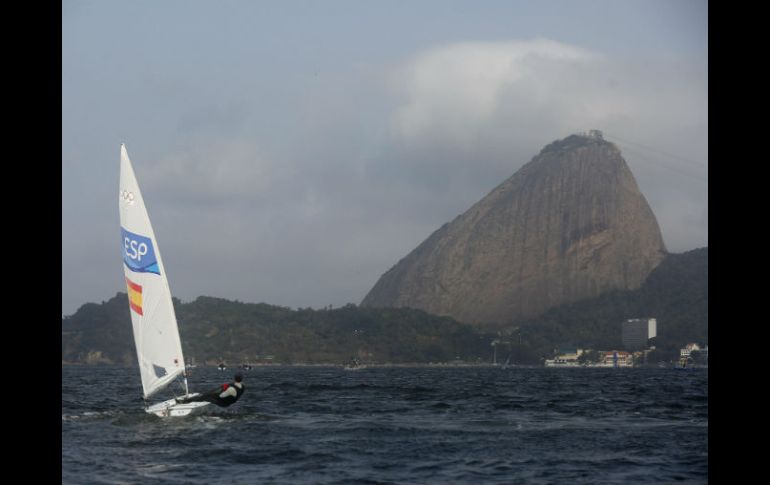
[(617, 358), (687, 350), (568, 358), (637, 332)]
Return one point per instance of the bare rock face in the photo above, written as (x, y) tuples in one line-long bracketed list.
[(570, 224)]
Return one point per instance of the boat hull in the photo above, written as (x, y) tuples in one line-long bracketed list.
[(170, 408)]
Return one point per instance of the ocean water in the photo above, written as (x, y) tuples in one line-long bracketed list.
[(394, 425)]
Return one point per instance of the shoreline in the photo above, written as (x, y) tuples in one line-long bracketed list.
[(405, 365)]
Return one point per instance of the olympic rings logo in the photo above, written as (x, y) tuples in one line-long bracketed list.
[(127, 196)]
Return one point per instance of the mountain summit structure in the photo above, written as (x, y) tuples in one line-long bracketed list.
[(570, 224)]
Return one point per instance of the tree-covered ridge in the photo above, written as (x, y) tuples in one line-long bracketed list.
[(675, 293), (212, 329)]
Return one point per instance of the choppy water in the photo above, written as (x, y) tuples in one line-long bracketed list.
[(325, 425)]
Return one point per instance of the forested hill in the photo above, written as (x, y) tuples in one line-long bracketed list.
[(675, 293), (212, 329)]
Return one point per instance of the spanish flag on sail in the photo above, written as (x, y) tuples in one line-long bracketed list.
[(134, 296)]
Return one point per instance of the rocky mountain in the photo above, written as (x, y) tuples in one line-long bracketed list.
[(570, 224)]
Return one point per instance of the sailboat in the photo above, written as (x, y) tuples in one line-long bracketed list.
[(354, 364), (156, 333)]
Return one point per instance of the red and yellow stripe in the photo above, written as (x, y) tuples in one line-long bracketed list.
[(134, 296)]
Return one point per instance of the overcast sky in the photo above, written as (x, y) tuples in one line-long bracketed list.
[(292, 152)]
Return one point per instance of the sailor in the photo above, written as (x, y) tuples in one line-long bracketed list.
[(223, 396)]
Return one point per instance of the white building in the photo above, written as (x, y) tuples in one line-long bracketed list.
[(617, 358), (567, 358), (636, 332), (687, 350)]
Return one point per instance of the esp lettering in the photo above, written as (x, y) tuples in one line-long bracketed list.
[(134, 250)]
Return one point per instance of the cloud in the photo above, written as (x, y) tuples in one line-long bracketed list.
[(210, 171), (458, 89)]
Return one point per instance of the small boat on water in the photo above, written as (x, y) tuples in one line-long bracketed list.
[(354, 364), (222, 366), (155, 328)]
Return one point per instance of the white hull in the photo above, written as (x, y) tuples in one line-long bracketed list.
[(171, 408)]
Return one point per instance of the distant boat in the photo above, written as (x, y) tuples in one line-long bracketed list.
[(222, 366), (354, 364), (156, 333), (246, 366)]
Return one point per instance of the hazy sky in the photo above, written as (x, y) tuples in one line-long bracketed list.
[(291, 152)]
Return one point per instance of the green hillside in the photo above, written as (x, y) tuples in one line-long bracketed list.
[(675, 293), (212, 329)]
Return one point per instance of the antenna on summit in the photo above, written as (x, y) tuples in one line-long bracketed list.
[(592, 134)]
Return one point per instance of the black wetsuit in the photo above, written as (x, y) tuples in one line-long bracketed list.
[(213, 396)]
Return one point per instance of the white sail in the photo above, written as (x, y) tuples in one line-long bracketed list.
[(156, 334)]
